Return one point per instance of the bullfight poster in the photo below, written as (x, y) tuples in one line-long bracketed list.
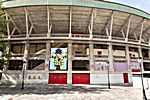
[(58, 59)]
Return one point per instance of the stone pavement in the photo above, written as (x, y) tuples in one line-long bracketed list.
[(70, 92)]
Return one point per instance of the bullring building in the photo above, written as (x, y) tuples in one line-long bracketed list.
[(76, 42)]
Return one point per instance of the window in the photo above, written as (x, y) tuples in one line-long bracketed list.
[(17, 48), (36, 65), (99, 52), (15, 65), (146, 66), (80, 65)]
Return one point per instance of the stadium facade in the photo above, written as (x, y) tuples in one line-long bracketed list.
[(76, 42)]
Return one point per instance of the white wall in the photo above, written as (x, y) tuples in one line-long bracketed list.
[(103, 78), (119, 52), (104, 51), (137, 82), (15, 77)]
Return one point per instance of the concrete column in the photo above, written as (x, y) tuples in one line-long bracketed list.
[(149, 53), (8, 28), (69, 74), (70, 23), (26, 52), (140, 55), (110, 52), (91, 26), (91, 56), (128, 64), (8, 52), (128, 58), (27, 26), (47, 57)]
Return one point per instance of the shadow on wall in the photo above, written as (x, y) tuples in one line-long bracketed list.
[(11, 79)]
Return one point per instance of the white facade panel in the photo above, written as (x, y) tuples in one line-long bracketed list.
[(118, 52), (103, 78), (104, 51), (137, 82)]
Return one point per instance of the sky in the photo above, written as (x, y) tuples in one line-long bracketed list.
[(140, 4)]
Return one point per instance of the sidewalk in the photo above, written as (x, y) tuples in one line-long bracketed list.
[(70, 92)]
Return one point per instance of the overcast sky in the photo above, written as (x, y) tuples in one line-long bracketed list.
[(141, 4)]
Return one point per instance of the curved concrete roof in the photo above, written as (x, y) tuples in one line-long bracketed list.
[(87, 3), (101, 18)]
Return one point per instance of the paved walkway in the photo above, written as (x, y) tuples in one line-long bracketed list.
[(70, 92)]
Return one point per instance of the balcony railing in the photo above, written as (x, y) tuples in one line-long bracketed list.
[(17, 55), (101, 57), (80, 35), (59, 35), (81, 57), (100, 36), (17, 36), (38, 35), (40, 55), (120, 57)]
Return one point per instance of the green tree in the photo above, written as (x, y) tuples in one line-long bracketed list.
[(3, 45)]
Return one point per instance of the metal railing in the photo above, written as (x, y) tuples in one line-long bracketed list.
[(59, 35), (80, 35), (100, 36), (80, 55)]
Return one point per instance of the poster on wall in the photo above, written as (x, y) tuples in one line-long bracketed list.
[(135, 66), (120, 66), (58, 59), (100, 66)]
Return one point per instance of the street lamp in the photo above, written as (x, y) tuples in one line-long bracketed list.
[(23, 72), (140, 60), (108, 75), (1, 51), (1, 54)]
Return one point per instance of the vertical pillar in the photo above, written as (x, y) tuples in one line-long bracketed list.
[(25, 57), (48, 46), (91, 24), (69, 74), (49, 24), (8, 28), (70, 23), (141, 56), (27, 25), (128, 28), (110, 52), (149, 53), (8, 52), (141, 31), (128, 64), (91, 56), (128, 58), (111, 25)]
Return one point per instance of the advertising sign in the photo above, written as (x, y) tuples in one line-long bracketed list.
[(58, 59)]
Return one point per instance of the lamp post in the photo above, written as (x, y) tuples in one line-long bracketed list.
[(108, 75), (1, 55), (140, 60), (1, 51), (1, 61), (23, 72)]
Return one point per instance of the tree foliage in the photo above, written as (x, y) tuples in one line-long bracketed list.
[(3, 45)]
